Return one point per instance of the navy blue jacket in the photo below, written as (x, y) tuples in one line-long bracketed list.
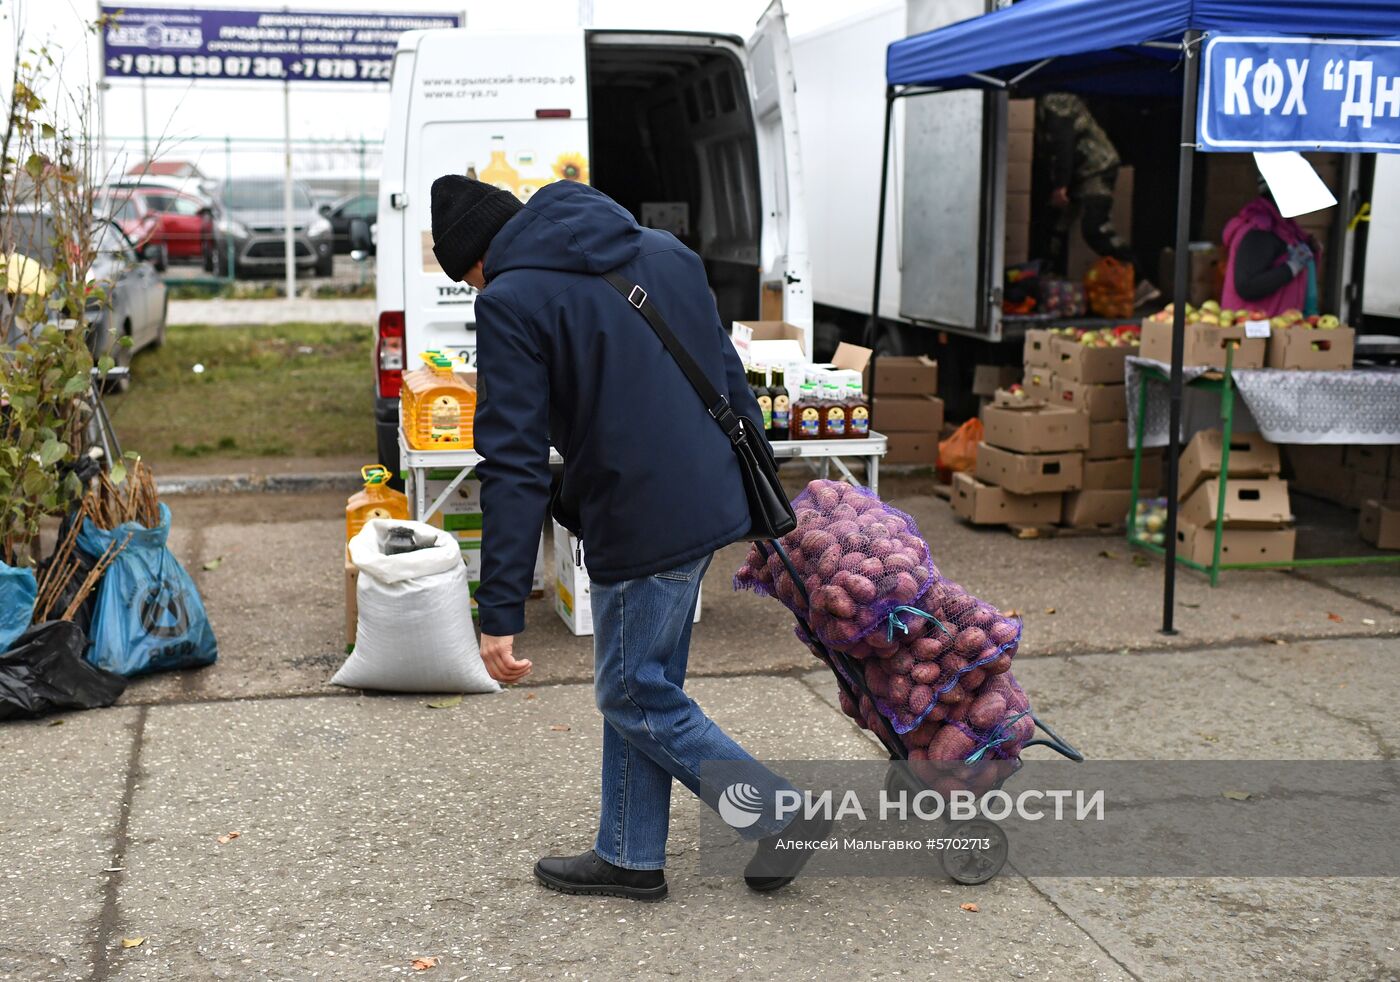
[(650, 480)]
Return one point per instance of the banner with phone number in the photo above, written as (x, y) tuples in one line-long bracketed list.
[(263, 45), (1268, 94)]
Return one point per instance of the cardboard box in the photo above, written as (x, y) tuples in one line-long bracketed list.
[(352, 605), (910, 448), (1250, 456), (1102, 402), (1029, 473), (1237, 545), (985, 504), (465, 498), (986, 379), (572, 590), (1250, 502), (1202, 262), (770, 342), (1039, 384), (1202, 344), (1379, 524), (1292, 348), (902, 376), (1368, 459), (908, 414), (1318, 469), (1116, 473), (1083, 363), (1035, 430), (1037, 350), (1108, 439), (1097, 508)]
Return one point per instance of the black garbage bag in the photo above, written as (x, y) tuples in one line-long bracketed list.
[(44, 671)]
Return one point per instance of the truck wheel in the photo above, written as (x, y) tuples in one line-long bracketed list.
[(889, 341), (325, 265)]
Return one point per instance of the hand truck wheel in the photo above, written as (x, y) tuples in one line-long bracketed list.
[(977, 864)]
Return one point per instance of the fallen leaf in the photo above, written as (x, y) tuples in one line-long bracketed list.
[(1192, 606), (970, 908), (1028, 533), (1107, 554), (55, 722), (1237, 795), (228, 837), (1208, 737), (133, 942), (1139, 560), (447, 703), (1334, 617), (1369, 621), (559, 727), (1049, 610), (214, 563), (530, 695), (1280, 641), (423, 964)]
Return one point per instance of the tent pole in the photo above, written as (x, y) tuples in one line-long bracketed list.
[(872, 326), (1190, 84)]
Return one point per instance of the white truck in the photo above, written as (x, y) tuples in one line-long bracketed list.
[(694, 133)]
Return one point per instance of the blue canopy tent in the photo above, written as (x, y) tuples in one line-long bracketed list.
[(1122, 47)]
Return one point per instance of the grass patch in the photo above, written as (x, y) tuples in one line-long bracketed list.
[(266, 391)]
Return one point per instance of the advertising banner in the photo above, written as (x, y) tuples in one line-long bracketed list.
[(272, 45), (1289, 93)]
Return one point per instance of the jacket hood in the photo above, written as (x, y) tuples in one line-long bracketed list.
[(569, 227)]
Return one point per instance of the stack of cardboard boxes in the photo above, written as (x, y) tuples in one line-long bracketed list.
[(1375, 486), (906, 410), (573, 591), (1030, 455), (1255, 514)]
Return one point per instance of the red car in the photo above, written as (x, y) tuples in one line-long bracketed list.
[(184, 222), (134, 216)]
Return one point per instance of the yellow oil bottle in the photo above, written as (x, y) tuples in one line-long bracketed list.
[(376, 500), (498, 171), (438, 407)]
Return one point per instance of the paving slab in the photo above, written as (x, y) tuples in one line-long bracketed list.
[(60, 805), (233, 312), (376, 830)]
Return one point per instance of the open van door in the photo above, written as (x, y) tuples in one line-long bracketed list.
[(784, 265)]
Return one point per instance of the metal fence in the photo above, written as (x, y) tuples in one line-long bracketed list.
[(217, 212)]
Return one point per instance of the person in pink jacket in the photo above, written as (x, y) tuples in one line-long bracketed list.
[(1271, 263)]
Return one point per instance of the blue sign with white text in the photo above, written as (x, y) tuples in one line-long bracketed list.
[(269, 45), (1289, 93)]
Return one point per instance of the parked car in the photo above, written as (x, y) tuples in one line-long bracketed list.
[(341, 212), (136, 294), (184, 221), (249, 228), (140, 224)]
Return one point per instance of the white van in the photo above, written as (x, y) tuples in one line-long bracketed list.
[(693, 133)]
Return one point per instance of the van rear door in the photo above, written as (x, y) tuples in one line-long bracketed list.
[(785, 266), (509, 108)]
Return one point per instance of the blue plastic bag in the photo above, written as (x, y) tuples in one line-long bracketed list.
[(17, 591), (149, 617)]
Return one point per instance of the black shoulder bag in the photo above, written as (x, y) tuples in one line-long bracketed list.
[(769, 507)]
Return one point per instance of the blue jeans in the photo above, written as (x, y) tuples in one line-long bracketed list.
[(652, 730)]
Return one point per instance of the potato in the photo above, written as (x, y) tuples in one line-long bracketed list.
[(902, 662), (953, 695), (860, 650), (860, 588), (872, 569), (882, 643), (904, 589), (843, 513), (839, 602), (816, 542), (1003, 631), (951, 743), (847, 706), (842, 527), (957, 713), (899, 689), (920, 735), (973, 680), (970, 640), (920, 698), (824, 496), (1001, 663), (866, 706), (926, 672), (918, 753), (899, 561), (850, 562), (987, 710), (927, 649), (876, 680), (826, 565)]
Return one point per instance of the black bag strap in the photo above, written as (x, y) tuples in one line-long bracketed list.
[(717, 405)]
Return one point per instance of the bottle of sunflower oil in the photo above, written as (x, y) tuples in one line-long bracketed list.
[(498, 170), (438, 407), (376, 500)]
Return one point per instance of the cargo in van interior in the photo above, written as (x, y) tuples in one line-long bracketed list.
[(673, 141)]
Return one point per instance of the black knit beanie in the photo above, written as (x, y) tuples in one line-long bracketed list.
[(467, 214)]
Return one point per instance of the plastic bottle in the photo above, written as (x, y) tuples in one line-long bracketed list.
[(438, 407), (857, 412), (833, 422), (377, 500), (807, 414), (498, 171), (764, 396), (782, 408)]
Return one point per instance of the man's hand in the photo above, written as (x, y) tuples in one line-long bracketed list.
[(1059, 198), (501, 663)]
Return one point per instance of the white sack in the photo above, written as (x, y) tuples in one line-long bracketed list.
[(414, 632)]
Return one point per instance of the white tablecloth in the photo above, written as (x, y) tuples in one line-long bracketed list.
[(1359, 406)]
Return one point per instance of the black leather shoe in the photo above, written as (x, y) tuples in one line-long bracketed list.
[(594, 876), (772, 868)]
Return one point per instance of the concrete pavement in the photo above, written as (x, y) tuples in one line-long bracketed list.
[(374, 830), (234, 312)]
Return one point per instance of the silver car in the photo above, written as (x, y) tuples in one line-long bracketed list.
[(249, 230)]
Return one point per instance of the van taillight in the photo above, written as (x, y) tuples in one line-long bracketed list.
[(553, 113), (388, 354)]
